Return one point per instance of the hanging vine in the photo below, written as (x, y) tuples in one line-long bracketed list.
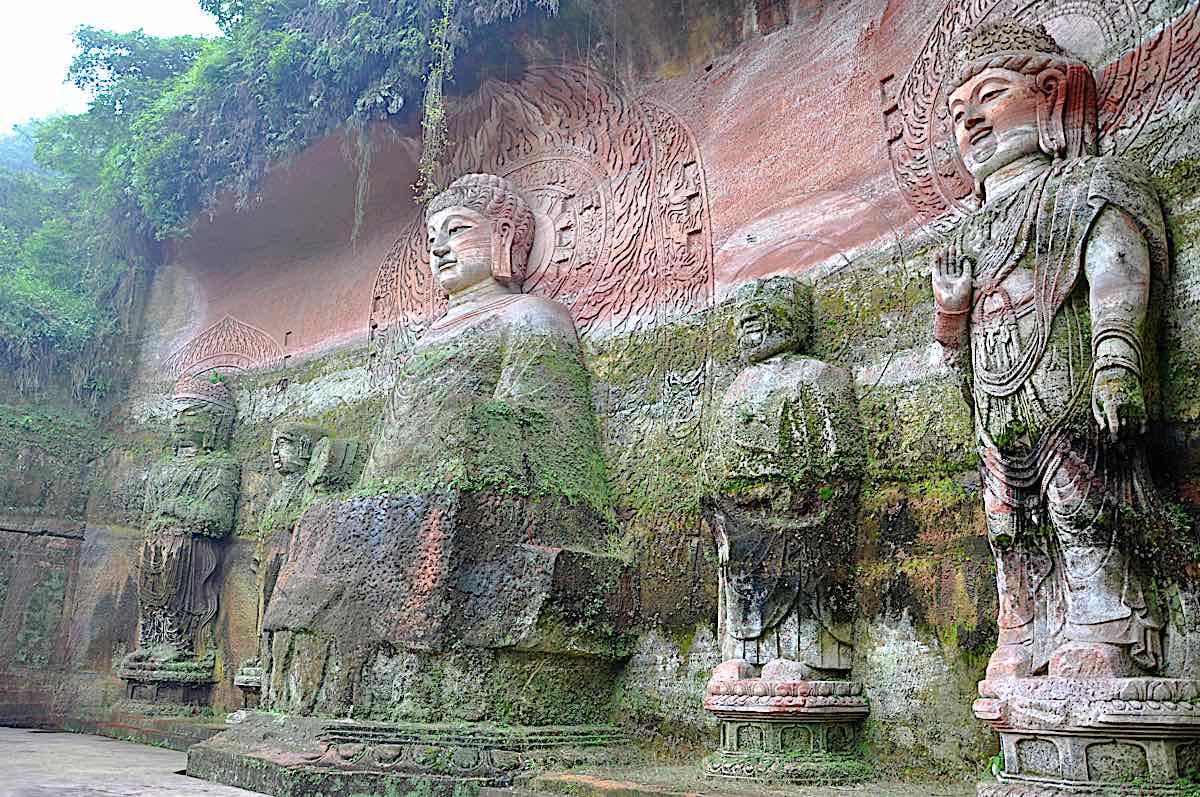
[(433, 119)]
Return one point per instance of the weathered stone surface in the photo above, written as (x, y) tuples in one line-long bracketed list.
[(295, 756), (819, 150)]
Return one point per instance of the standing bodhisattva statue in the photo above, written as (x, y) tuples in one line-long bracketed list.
[(1043, 298), (190, 505)]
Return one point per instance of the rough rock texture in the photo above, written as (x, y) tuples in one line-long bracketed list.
[(762, 147)]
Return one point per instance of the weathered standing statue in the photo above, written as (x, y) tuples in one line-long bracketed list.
[(1043, 298), (789, 454), (292, 447), (190, 507), (464, 589)]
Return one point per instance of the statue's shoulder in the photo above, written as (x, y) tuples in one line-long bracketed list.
[(539, 313), (1127, 185), (1118, 177)]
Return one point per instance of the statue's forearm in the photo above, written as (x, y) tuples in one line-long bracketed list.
[(1117, 264), (952, 332)]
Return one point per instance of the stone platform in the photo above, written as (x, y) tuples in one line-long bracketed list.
[(142, 723), (287, 755), (800, 732), (1106, 736), (49, 764)]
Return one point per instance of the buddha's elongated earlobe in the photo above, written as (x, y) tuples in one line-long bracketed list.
[(1052, 83), (502, 239)]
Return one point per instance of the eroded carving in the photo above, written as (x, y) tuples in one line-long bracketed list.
[(789, 454), (228, 345), (292, 449), (190, 504)]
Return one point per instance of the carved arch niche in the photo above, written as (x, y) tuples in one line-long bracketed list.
[(228, 345)]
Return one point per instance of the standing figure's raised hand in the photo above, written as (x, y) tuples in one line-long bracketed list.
[(952, 275)]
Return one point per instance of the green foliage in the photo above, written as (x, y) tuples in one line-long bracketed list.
[(173, 125)]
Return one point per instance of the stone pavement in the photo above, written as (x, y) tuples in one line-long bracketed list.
[(41, 764), (50, 764)]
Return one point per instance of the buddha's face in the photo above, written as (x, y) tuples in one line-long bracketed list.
[(995, 120), (192, 424), (287, 454), (763, 328), (460, 248)]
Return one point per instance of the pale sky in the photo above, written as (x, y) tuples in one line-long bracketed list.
[(36, 46)]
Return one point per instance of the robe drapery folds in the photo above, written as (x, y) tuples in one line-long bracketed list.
[(190, 507), (1032, 357)]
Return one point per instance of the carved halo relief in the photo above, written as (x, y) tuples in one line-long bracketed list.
[(228, 345), (618, 193), (1142, 72)]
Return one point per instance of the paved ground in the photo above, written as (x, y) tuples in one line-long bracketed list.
[(37, 764), (680, 781), (40, 764)]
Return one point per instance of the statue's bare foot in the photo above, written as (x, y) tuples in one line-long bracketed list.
[(1091, 660), (1010, 661), (140, 654)]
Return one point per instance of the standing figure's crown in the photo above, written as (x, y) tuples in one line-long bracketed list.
[(200, 388)]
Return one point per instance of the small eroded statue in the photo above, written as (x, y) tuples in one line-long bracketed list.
[(292, 446), (788, 461), (1041, 299), (190, 506)]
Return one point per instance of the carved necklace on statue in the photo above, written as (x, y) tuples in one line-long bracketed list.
[(1003, 364)]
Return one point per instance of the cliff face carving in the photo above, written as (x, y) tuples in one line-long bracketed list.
[(665, 170)]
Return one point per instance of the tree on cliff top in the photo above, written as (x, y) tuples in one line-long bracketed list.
[(175, 122)]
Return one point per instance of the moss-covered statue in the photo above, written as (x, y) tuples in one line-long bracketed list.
[(496, 394), (472, 552), (292, 446), (1043, 297), (789, 458), (190, 506)]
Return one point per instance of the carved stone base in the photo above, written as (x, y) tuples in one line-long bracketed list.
[(185, 682), (803, 732), (283, 755), (1096, 737), (249, 680)]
